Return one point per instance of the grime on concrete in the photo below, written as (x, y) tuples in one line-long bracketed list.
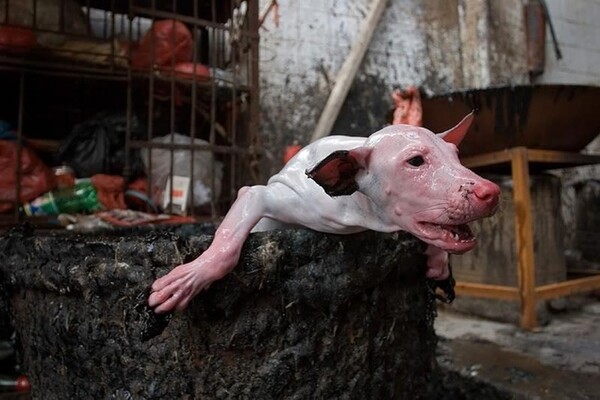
[(318, 316)]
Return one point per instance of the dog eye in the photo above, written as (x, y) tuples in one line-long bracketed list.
[(416, 161)]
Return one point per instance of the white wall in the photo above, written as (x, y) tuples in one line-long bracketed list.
[(441, 46), (434, 44), (577, 26)]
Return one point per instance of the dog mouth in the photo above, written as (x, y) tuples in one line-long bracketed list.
[(452, 238)]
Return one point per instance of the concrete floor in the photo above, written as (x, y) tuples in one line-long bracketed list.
[(560, 360)]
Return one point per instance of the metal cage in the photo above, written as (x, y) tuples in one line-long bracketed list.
[(183, 75)]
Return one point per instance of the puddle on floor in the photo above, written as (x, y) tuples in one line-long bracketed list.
[(517, 373)]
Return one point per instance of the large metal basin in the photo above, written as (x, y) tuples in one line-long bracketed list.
[(551, 117)]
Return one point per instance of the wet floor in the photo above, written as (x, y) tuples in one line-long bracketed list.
[(521, 375), (558, 361)]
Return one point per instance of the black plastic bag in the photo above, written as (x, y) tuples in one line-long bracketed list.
[(97, 146)]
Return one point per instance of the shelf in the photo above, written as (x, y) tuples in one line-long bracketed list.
[(58, 66), (52, 66)]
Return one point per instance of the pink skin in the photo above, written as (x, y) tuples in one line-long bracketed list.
[(400, 178), (437, 263)]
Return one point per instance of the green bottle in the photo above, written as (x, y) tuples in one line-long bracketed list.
[(77, 199)]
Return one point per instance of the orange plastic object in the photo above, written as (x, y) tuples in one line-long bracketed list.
[(290, 151), (16, 40), (408, 110)]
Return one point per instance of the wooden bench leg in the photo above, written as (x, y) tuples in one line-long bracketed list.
[(524, 237)]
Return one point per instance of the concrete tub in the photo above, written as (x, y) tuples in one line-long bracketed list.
[(304, 316)]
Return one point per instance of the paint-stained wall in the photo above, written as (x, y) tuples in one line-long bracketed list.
[(441, 46)]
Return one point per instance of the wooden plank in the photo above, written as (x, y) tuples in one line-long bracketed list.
[(346, 75), (561, 157), (524, 237), (487, 291), (566, 288), (496, 157)]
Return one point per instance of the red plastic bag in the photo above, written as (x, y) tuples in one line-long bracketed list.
[(172, 43), (36, 177), (16, 40)]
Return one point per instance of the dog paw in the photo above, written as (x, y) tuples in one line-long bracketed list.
[(175, 290)]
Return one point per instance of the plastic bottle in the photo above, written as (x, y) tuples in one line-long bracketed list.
[(14, 384), (80, 198)]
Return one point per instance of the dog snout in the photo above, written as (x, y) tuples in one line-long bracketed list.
[(487, 192)]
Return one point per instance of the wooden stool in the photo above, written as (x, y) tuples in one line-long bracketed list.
[(519, 160)]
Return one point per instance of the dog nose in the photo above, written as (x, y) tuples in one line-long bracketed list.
[(487, 192)]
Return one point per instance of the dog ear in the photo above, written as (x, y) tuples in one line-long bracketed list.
[(455, 135), (336, 173)]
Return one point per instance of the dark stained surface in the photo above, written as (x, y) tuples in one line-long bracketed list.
[(305, 315), (539, 117)]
